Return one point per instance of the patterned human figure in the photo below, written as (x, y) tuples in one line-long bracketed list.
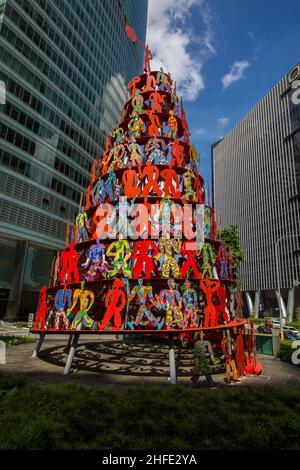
[(203, 354), (69, 262), (208, 260), (223, 263), (188, 178), (136, 126), (115, 301), (137, 102), (86, 299), (145, 299), (63, 299), (173, 125), (190, 302), (170, 300), (42, 310), (210, 313), (144, 252), (170, 264), (163, 81), (189, 251), (229, 351), (155, 151), (81, 227), (95, 261), (136, 154), (120, 252)]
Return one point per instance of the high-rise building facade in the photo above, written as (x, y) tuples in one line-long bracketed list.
[(256, 186), (65, 65)]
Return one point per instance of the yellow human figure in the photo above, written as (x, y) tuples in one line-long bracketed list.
[(170, 264), (173, 126), (86, 300), (81, 231), (120, 251)]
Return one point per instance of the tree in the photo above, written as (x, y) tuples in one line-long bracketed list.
[(231, 238)]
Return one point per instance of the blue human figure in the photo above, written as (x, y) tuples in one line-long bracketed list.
[(190, 302), (62, 299)]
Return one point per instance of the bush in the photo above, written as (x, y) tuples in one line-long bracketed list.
[(286, 351), (12, 340), (20, 324), (149, 417)]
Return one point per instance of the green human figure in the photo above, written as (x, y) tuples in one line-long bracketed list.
[(203, 353), (208, 258)]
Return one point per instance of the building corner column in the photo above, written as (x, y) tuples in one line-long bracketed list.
[(291, 304), (15, 294), (256, 304), (250, 304)]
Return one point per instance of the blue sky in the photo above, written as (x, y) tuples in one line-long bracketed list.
[(225, 55)]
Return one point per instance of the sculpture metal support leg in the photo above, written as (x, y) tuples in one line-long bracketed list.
[(69, 343), (39, 345), (172, 359), (281, 304), (75, 338)]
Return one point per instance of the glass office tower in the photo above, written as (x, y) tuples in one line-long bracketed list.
[(65, 65), (256, 185)]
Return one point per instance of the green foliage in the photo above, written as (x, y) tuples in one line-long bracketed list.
[(21, 324), (257, 321), (12, 340), (297, 315), (286, 351), (296, 324), (231, 238), (149, 417)]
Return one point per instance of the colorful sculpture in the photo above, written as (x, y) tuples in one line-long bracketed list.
[(81, 227), (189, 250), (210, 313), (69, 262), (42, 310), (173, 125), (95, 261), (120, 252), (229, 351), (170, 264), (144, 253), (203, 352), (145, 300), (190, 302)]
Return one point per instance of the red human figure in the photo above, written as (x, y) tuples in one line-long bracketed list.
[(69, 261), (133, 84), (42, 310), (191, 259), (115, 301), (150, 83), (152, 174), (223, 307), (144, 261), (155, 126), (94, 175), (210, 313), (158, 100), (177, 154), (131, 183), (170, 176), (186, 132), (88, 197)]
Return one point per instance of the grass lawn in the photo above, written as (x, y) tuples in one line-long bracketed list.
[(11, 340), (146, 417)]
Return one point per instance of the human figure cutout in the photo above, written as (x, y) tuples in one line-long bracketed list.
[(42, 310), (150, 83), (151, 172), (131, 183), (155, 126), (191, 259), (69, 269), (144, 253), (86, 300), (133, 85), (115, 301), (171, 184), (157, 99), (210, 313), (177, 153)]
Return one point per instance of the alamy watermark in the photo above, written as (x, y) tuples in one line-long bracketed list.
[(296, 354), (2, 92), (296, 93)]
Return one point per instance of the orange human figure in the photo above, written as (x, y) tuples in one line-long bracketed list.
[(152, 174), (191, 259), (158, 100), (200, 193), (42, 310), (240, 357), (150, 83), (131, 183), (115, 301), (177, 153), (144, 261), (223, 307), (210, 313), (69, 261), (94, 175), (170, 176), (88, 197), (155, 126), (133, 84)]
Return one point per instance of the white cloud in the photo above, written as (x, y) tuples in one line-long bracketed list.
[(170, 35), (235, 73), (222, 122)]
